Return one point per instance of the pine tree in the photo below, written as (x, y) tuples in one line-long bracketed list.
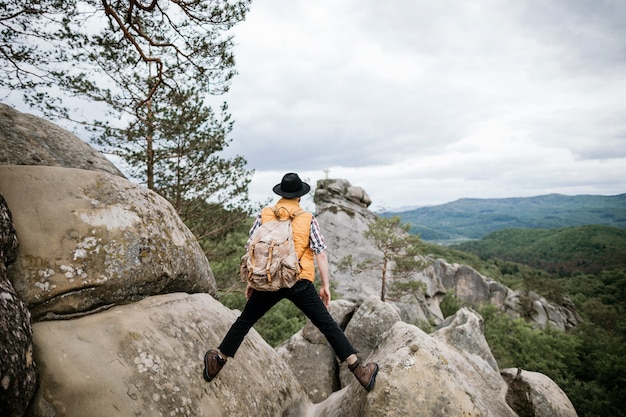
[(400, 257)]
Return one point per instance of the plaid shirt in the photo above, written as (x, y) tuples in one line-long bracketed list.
[(316, 239)]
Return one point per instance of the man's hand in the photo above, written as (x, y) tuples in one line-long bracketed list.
[(325, 295), (248, 292)]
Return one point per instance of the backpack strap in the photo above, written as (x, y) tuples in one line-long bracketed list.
[(292, 216)]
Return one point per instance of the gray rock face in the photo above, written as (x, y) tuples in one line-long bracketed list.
[(91, 240), (18, 372), (471, 287), (343, 223), (328, 192), (145, 359), (29, 140)]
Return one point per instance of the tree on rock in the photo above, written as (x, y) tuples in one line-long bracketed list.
[(399, 257)]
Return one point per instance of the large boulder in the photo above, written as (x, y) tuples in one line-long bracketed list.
[(306, 350), (30, 140), (146, 359), (534, 394), (450, 372), (18, 372), (344, 218), (90, 240), (366, 327)]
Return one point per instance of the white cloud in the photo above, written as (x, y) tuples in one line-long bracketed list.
[(425, 102)]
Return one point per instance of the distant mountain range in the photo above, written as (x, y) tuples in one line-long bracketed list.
[(472, 218)]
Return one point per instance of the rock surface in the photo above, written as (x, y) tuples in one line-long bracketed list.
[(90, 240), (421, 375), (145, 359), (18, 372), (534, 394), (343, 223), (451, 372), (30, 140)]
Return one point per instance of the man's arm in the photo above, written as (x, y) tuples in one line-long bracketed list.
[(322, 265), (319, 247)]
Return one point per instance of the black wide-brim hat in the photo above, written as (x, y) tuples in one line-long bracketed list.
[(291, 186)]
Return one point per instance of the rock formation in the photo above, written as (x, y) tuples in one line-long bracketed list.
[(145, 359), (344, 219), (343, 223), (451, 372), (123, 307)]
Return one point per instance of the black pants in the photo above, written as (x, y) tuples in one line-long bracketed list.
[(306, 298)]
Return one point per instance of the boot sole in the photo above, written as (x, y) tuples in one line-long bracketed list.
[(205, 372), (372, 381)]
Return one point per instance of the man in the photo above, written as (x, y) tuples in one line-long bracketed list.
[(309, 244)]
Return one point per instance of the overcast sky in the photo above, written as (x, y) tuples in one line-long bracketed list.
[(424, 102)]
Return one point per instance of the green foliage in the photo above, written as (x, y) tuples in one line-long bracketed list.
[(178, 154), (283, 322), (584, 367), (600, 388), (116, 52), (399, 257), (224, 249), (589, 362), (424, 325), (450, 305), (517, 343), (399, 288), (591, 248), (176, 149)]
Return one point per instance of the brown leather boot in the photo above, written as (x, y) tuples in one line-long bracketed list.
[(366, 374), (213, 363)]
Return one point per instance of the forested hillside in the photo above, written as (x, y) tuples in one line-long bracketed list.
[(586, 265), (588, 249), (471, 218)]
